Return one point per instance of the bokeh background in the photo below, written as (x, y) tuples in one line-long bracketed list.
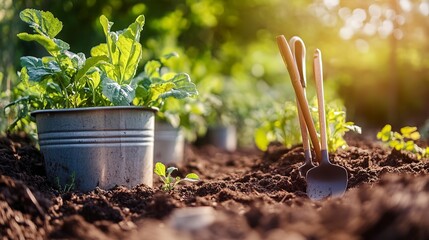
[(375, 53)]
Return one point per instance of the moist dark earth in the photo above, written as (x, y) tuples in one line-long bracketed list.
[(246, 194)]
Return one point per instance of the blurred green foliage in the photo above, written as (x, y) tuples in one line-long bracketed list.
[(281, 125), (405, 140), (374, 51)]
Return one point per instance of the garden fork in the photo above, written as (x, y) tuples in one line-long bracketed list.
[(298, 51)]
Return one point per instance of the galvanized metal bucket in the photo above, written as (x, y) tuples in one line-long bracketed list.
[(223, 137), (169, 144), (99, 146)]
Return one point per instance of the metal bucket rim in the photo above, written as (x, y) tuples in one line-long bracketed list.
[(67, 110)]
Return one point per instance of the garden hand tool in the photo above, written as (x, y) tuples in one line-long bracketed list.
[(298, 51), (289, 61), (326, 179)]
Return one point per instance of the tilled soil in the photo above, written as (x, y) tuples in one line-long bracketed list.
[(245, 194)]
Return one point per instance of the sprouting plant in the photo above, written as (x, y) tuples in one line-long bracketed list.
[(403, 140), (337, 127), (169, 181), (69, 186)]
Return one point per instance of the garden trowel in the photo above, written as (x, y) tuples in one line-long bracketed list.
[(327, 179)]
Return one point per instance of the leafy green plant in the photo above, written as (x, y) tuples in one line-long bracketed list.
[(403, 140), (278, 124), (186, 114), (70, 80), (171, 182), (337, 127), (281, 124)]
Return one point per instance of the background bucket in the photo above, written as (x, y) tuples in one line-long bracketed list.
[(169, 144)]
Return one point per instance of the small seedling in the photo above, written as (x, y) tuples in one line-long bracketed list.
[(405, 140), (169, 181), (69, 186)]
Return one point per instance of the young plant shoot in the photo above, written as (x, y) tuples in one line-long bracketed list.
[(169, 182), (403, 140)]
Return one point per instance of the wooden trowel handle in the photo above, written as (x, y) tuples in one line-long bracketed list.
[(318, 76), (294, 74)]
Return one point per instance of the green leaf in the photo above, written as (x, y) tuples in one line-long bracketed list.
[(159, 169), (414, 136), (386, 129), (53, 87), (183, 87), (133, 31), (130, 55), (50, 45), (123, 49), (151, 68), (88, 64), (192, 177), (409, 146), (105, 24), (42, 22), (156, 89), (37, 70), (261, 140), (100, 50), (119, 95), (170, 170), (408, 130), (169, 55)]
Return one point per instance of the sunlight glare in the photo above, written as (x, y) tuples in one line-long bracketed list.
[(374, 11), (369, 29), (331, 3), (346, 33), (386, 28), (344, 13), (424, 8), (359, 14), (405, 5)]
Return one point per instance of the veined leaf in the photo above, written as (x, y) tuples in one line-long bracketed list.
[(183, 87), (88, 64), (156, 89), (192, 177), (78, 59), (123, 48), (43, 40), (119, 95), (133, 31), (100, 50), (159, 169), (42, 22), (151, 68), (105, 24), (129, 57), (37, 70)]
